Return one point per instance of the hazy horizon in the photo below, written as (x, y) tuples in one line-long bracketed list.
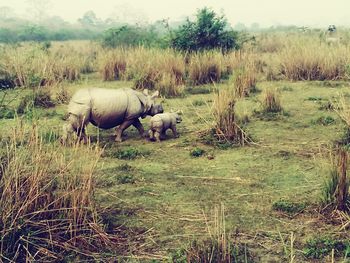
[(266, 13)]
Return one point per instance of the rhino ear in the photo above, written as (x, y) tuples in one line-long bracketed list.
[(155, 94), (145, 92)]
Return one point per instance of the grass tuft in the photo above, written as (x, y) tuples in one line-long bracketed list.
[(46, 199)]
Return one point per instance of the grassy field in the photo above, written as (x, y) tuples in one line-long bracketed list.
[(167, 200)]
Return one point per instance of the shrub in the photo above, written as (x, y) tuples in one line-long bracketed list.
[(7, 113), (126, 179), (288, 207), (130, 36), (320, 247), (128, 153), (325, 120), (209, 31), (198, 102), (197, 152)]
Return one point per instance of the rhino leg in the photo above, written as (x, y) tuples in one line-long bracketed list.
[(163, 134), (151, 135), (138, 125), (157, 136), (173, 128), (121, 128)]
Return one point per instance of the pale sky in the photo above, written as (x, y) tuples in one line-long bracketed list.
[(265, 12)]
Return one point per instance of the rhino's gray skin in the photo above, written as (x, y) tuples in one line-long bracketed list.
[(161, 122), (108, 108)]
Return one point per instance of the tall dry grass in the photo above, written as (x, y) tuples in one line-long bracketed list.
[(311, 60), (226, 125), (271, 101), (32, 65), (205, 67), (146, 67), (46, 198), (112, 64)]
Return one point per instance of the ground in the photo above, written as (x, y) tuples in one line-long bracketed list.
[(169, 197)]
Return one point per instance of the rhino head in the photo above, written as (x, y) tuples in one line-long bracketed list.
[(152, 107)]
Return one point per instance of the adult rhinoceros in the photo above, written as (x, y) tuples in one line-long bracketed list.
[(108, 108)]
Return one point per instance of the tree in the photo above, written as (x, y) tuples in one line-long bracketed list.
[(89, 19), (6, 13), (209, 31), (38, 8)]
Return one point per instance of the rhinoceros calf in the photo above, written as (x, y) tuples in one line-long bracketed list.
[(108, 108), (161, 122)]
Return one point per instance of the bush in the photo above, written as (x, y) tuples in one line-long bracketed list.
[(325, 120), (197, 152), (128, 153), (129, 36), (288, 207), (320, 247), (209, 31)]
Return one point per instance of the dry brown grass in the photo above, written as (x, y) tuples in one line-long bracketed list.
[(312, 60), (113, 64), (225, 120), (342, 108), (147, 68), (271, 101), (205, 67), (31, 65), (46, 200), (244, 81)]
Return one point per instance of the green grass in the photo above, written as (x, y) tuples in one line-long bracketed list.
[(171, 194), (319, 247)]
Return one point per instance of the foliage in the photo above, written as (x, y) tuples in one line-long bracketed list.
[(325, 120), (129, 36), (320, 247), (288, 207), (209, 31), (128, 153), (197, 152)]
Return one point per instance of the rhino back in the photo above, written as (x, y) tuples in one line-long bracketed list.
[(111, 108), (167, 119)]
